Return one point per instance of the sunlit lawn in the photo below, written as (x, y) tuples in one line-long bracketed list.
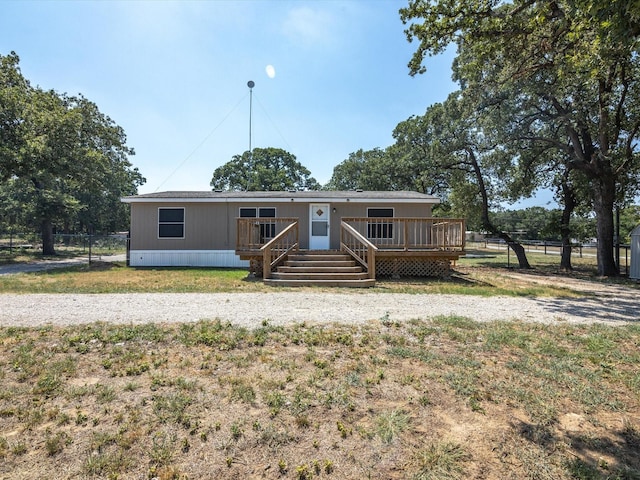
[(117, 278), (482, 272)]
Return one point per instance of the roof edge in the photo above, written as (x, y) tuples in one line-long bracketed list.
[(284, 197)]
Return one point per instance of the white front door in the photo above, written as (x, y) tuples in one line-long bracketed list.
[(319, 226)]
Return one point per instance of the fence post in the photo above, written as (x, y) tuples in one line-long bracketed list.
[(626, 260)]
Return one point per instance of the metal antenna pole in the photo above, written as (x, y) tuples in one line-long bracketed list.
[(250, 84)]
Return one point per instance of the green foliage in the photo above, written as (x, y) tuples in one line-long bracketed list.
[(106, 464), (63, 162), (267, 169), (629, 219), (538, 223), (172, 408), (367, 170), (555, 88), (454, 149)]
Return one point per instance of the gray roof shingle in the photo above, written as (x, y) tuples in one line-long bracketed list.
[(274, 195)]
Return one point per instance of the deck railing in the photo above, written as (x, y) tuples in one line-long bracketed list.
[(404, 234), (358, 247), (401, 234), (277, 249), (253, 233)]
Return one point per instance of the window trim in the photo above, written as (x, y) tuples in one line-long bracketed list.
[(393, 212), (380, 227), (275, 213), (264, 226), (257, 212), (183, 223)]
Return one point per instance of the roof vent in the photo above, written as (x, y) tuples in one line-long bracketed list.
[(217, 190), (359, 190)]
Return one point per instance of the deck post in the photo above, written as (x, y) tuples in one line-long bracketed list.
[(266, 263), (406, 235), (282, 245), (372, 263)]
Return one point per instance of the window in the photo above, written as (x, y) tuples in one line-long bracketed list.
[(380, 229), (248, 213), (253, 212), (267, 229), (171, 222)]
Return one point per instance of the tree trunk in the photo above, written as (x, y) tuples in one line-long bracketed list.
[(569, 201), (565, 257), (47, 238), (603, 200), (518, 249)]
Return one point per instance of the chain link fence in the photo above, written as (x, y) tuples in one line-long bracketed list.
[(555, 248), (15, 243)]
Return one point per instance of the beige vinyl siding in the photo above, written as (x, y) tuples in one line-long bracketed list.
[(347, 209), (212, 226), (206, 227)]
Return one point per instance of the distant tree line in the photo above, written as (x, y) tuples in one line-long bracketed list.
[(539, 223), (64, 165)]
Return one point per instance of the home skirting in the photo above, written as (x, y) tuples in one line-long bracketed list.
[(186, 258)]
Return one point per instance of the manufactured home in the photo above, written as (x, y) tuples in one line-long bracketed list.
[(296, 236)]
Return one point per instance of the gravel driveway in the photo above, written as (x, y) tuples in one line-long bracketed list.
[(250, 309), (602, 303)]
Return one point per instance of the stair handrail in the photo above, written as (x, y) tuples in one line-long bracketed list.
[(278, 244), (360, 248)]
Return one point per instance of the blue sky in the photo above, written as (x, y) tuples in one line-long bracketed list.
[(174, 76)]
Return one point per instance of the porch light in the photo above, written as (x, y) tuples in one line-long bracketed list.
[(333, 210)]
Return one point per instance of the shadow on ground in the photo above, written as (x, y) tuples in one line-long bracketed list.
[(612, 454), (611, 309)]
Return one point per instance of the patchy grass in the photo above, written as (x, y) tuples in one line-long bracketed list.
[(484, 272), (23, 255), (117, 278), (448, 398), (584, 267), (475, 281)]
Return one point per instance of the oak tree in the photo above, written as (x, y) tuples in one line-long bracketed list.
[(66, 162), (574, 67), (266, 169)]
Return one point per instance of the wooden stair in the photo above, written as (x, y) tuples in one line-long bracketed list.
[(321, 269)]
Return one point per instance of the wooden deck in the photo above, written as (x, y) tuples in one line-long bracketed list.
[(393, 247)]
